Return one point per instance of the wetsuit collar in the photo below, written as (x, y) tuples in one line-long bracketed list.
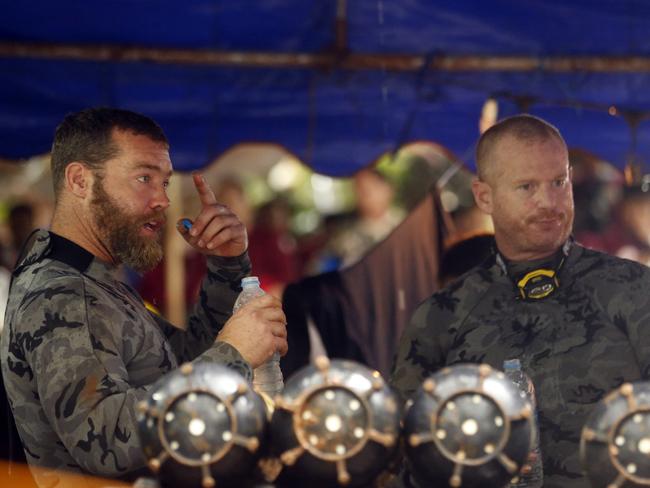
[(514, 268), (45, 244)]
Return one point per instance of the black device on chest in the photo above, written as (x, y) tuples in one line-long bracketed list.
[(538, 283)]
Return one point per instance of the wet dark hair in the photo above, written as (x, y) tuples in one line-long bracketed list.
[(86, 136)]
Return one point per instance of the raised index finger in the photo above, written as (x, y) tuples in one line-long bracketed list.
[(206, 195)]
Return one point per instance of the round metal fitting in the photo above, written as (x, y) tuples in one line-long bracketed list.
[(202, 424), (336, 424), (468, 426), (615, 441)]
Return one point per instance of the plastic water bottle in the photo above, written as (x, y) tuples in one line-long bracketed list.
[(533, 477), (267, 378)]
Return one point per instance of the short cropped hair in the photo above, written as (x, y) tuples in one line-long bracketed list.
[(523, 127), (86, 136)]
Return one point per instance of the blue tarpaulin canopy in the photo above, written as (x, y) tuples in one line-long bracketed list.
[(337, 83)]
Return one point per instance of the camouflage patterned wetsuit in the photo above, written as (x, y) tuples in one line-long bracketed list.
[(586, 339), (79, 350)]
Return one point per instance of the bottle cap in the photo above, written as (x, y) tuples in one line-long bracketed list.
[(512, 364), (250, 281)]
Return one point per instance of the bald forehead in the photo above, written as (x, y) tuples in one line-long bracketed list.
[(512, 158), (502, 138)]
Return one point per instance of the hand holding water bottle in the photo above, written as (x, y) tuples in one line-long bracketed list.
[(267, 378), (257, 330)]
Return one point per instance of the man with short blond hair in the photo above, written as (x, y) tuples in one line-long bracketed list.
[(578, 334), (525, 128)]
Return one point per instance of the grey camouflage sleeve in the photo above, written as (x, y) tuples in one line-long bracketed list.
[(83, 385), (629, 307), (419, 353), (219, 291)]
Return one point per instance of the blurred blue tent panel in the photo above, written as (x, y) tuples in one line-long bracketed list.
[(337, 83)]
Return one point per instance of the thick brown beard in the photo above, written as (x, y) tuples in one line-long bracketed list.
[(121, 232)]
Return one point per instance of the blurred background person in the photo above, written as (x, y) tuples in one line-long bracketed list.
[(230, 191), (374, 219), (21, 223), (597, 188), (272, 247), (627, 234), (464, 254)]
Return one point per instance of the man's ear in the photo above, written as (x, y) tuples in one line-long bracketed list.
[(78, 179), (482, 195)]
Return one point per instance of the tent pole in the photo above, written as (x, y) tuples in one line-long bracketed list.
[(175, 309), (341, 27), (351, 61)]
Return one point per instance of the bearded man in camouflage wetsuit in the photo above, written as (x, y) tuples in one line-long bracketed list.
[(79, 349), (582, 340)]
